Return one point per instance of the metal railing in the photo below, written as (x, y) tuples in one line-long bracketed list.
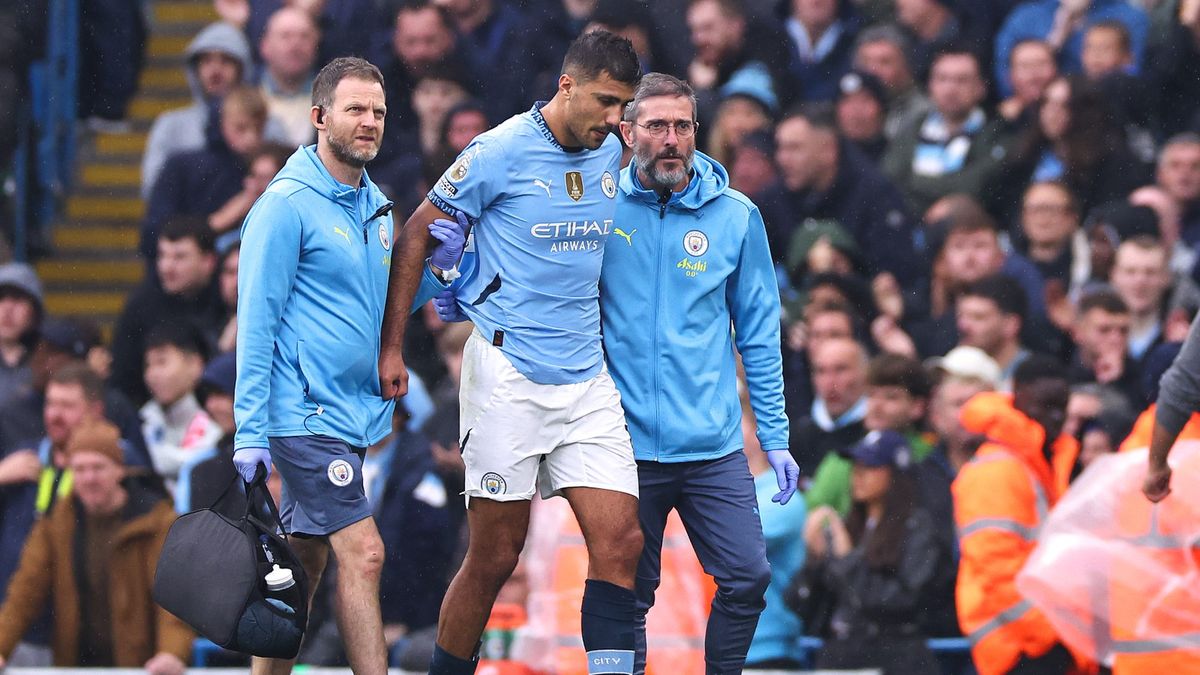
[(45, 155)]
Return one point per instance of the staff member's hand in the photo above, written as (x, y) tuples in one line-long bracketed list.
[(787, 474), (1157, 485), (453, 237), (246, 462)]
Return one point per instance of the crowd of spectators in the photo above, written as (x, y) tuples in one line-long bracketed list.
[(950, 188)]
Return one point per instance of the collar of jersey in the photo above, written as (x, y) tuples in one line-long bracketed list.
[(536, 113)]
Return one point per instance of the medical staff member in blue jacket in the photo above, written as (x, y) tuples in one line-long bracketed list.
[(689, 279), (686, 278), (316, 251)]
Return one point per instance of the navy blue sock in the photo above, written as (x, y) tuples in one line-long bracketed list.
[(445, 663), (608, 627)]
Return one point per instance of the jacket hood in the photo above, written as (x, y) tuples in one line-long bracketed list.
[(217, 37), (23, 278), (306, 168), (992, 414), (709, 181)]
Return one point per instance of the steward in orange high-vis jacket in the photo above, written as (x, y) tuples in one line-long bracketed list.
[(1001, 499)]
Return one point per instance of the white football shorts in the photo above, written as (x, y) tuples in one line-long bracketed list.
[(517, 435)]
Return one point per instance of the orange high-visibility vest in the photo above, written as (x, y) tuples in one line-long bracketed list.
[(1001, 499), (1143, 429)]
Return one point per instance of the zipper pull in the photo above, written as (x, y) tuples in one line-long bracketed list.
[(662, 204), (364, 234)]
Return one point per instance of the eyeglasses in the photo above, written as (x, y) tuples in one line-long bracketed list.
[(658, 128)]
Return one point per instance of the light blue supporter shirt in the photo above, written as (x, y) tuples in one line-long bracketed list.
[(540, 215)]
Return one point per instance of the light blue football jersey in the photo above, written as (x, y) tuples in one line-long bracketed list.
[(541, 215)]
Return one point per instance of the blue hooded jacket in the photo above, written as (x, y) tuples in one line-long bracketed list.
[(676, 275), (312, 285)]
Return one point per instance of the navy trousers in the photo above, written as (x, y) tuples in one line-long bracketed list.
[(717, 504)]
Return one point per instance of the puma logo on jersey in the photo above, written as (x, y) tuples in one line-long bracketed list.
[(628, 237), (338, 230), (545, 185)]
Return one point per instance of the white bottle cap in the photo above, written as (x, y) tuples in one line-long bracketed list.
[(279, 579)]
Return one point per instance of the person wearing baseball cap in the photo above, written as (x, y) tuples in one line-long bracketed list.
[(878, 567)]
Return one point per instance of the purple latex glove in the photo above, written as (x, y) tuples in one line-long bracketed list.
[(453, 237), (787, 474), (247, 460), (447, 307)]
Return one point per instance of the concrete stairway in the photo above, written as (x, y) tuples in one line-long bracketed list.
[(95, 263)]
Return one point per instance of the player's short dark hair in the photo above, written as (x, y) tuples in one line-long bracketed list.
[(337, 70), (659, 84), (600, 51), (180, 227), (1038, 367), (182, 335), (1003, 290), (1122, 31), (78, 373), (895, 370), (1103, 299)]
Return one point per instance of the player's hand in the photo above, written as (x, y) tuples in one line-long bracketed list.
[(453, 237), (1157, 485), (787, 474), (393, 375), (246, 462), (447, 307), (163, 663)]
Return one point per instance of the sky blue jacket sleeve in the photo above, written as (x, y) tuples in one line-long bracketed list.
[(271, 238), (753, 296), (430, 286)]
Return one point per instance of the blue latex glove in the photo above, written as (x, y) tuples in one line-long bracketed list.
[(447, 307), (787, 474), (246, 462), (453, 237)]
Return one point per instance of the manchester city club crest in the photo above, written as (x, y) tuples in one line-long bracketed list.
[(608, 185), (574, 185), (385, 237), (493, 484), (695, 243), (340, 472)]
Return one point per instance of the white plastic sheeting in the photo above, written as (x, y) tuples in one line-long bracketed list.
[(1114, 573)]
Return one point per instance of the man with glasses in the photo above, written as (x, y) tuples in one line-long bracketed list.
[(693, 253)]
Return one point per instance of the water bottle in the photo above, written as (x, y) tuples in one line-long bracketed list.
[(281, 589)]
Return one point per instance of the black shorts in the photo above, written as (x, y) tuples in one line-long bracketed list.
[(322, 483)]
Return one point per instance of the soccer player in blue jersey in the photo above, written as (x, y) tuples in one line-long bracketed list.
[(689, 279), (537, 404)]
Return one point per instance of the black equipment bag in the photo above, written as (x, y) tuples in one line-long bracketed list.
[(210, 574)]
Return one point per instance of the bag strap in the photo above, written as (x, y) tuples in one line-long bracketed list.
[(259, 485)]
